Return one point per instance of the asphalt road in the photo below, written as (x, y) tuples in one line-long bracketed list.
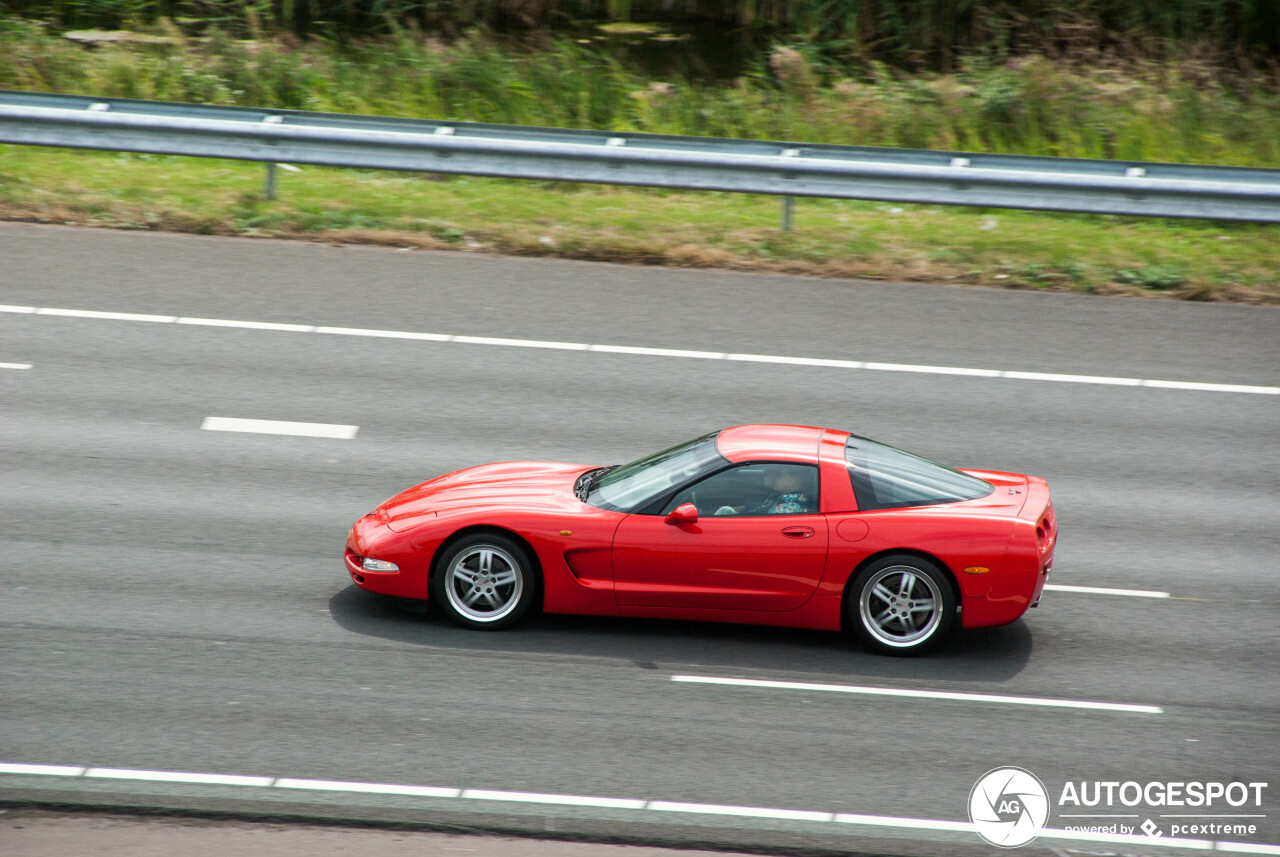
[(174, 599)]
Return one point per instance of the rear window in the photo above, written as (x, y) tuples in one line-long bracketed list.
[(887, 478)]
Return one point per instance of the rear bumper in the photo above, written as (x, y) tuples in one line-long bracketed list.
[(1041, 580), (1046, 541), (1019, 583)]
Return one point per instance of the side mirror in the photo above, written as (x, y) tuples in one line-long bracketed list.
[(685, 513)]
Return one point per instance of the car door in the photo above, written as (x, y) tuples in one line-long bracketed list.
[(752, 547)]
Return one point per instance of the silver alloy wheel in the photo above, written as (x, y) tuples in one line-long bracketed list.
[(484, 583), (901, 606)]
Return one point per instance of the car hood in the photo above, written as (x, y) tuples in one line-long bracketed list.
[(546, 485)]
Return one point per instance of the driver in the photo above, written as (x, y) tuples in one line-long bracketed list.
[(787, 495)]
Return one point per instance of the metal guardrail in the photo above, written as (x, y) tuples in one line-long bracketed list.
[(694, 163)]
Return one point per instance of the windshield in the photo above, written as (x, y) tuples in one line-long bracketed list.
[(888, 478), (631, 486)]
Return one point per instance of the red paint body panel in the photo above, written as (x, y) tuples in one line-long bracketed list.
[(719, 563), (836, 488), (743, 569)]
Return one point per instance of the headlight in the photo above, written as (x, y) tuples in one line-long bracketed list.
[(371, 564)]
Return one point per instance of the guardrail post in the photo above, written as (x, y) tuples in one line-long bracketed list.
[(788, 201), (270, 191)]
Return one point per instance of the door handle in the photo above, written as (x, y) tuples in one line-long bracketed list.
[(797, 532)]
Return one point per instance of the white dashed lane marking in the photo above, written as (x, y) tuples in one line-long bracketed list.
[(1044, 702), (342, 432), (1102, 590), (677, 353)]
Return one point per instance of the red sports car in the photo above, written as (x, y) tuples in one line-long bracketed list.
[(760, 524)]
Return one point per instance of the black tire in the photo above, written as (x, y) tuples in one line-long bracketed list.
[(485, 581), (902, 605)]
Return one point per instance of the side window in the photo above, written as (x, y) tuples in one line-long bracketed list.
[(752, 490)]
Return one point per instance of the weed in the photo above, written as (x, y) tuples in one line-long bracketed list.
[(1156, 111), (1152, 277)]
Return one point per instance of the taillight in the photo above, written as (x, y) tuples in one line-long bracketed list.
[(1044, 530)]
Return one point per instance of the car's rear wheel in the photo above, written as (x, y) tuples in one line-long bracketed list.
[(485, 581), (902, 605)]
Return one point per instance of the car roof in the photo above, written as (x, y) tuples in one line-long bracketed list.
[(770, 443)]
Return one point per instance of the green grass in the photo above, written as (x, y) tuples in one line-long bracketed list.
[(1183, 110), (1108, 255), (1176, 110)]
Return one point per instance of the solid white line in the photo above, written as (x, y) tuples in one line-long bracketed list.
[(279, 427), (741, 811), (41, 770), (521, 343), (920, 694), (1072, 379), (108, 316), (893, 821), (177, 777), (249, 325), (386, 334), (1246, 848), (657, 352), (665, 352), (1102, 590), (622, 803), (1211, 388), (15, 365), (795, 361), (366, 788), (1165, 841), (933, 370), (563, 800)]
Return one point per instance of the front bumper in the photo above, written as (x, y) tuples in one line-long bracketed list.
[(374, 581)]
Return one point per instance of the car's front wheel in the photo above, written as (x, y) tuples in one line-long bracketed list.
[(902, 605), (485, 581)]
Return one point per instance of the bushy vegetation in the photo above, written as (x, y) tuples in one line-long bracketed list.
[(903, 32), (1175, 101), (1185, 110)]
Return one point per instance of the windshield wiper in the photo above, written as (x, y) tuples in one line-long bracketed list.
[(582, 486), (588, 481)]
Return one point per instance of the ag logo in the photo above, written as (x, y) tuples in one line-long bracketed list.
[(1008, 807)]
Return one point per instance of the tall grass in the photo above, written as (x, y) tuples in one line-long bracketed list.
[(929, 32), (1147, 110)]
